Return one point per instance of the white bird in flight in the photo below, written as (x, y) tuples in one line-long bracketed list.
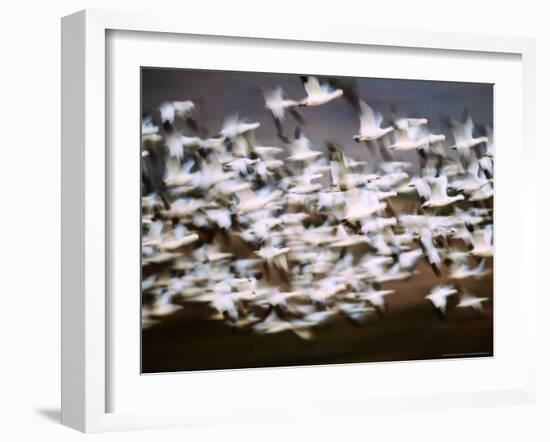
[(370, 124), (170, 109), (301, 148), (469, 300), (483, 242), (464, 138), (438, 196), (438, 297), (318, 94)]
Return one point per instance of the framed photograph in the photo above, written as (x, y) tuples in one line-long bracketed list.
[(267, 223)]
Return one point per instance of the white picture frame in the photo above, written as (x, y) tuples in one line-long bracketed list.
[(85, 309)]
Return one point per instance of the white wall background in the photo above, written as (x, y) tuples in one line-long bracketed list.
[(30, 216)]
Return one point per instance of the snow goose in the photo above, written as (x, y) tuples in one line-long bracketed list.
[(301, 148), (388, 181), (483, 242), (377, 224), (176, 142), (211, 174), (180, 237), (486, 165), (408, 260), (233, 127), (430, 251), (162, 305), (177, 174), (326, 289), (149, 131), (224, 303), (438, 297), (461, 270), (485, 192), (221, 217), (402, 122), (183, 208), (277, 104), (394, 273), (170, 109), (250, 201), (318, 94), (211, 253), (469, 300), (300, 328), (422, 188), (471, 181), (438, 196), (370, 124), (274, 255), (374, 265), (464, 138), (409, 139), (392, 167), (355, 312), (343, 239), (362, 204), (376, 298), (303, 183)]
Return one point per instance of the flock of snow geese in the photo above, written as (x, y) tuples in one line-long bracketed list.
[(287, 237)]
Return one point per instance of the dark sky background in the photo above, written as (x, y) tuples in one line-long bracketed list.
[(218, 94)]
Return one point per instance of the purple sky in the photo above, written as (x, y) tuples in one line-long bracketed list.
[(219, 94)]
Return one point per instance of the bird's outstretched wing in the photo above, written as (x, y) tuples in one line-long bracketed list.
[(311, 84), (367, 117)]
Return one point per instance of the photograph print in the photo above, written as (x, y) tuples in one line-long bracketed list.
[(301, 220)]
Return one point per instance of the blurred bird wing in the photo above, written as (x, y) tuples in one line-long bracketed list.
[(307, 178), (335, 173), (458, 129), (479, 238), (473, 168), (439, 187), (341, 231), (303, 332), (230, 126), (437, 300), (274, 102), (367, 117), (273, 96), (167, 112), (437, 148), (312, 86), (423, 188), (267, 152), (426, 238), (172, 167), (408, 259), (301, 144), (378, 119), (469, 127), (183, 107), (416, 122)]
